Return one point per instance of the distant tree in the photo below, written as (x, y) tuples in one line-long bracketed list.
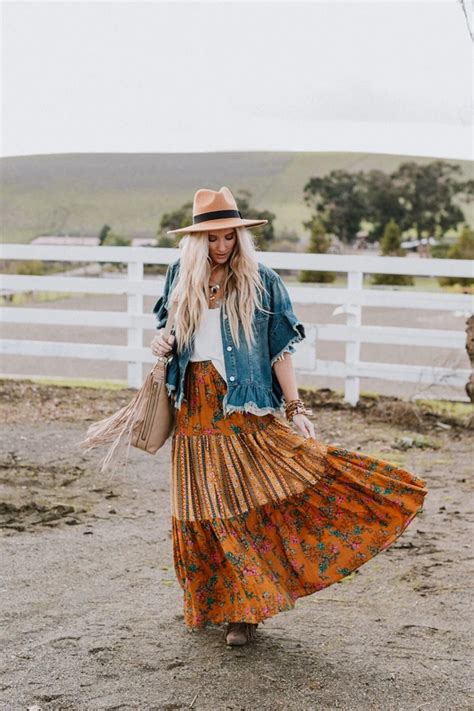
[(339, 200), (174, 220), (426, 194), (168, 241), (391, 246), (440, 250), (392, 240), (415, 196), (103, 234), (319, 243), (463, 248), (113, 240), (382, 203), (263, 236)]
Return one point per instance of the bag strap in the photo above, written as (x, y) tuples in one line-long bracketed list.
[(170, 319), (167, 330)]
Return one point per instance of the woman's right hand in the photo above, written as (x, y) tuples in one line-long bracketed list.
[(160, 347)]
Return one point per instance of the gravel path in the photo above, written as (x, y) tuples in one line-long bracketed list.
[(93, 612)]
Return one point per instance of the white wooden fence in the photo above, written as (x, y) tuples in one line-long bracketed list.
[(348, 301)]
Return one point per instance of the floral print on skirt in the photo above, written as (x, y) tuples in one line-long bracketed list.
[(262, 515)]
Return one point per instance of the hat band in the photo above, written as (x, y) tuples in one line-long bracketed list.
[(216, 215)]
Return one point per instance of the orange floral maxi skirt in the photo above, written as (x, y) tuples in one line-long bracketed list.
[(262, 516)]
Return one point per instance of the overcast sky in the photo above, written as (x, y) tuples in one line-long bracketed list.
[(392, 77)]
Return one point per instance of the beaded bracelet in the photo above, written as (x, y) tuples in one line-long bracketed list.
[(301, 411), (296, 407), (297, 411)]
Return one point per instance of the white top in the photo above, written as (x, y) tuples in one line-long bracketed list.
[(208, 340)]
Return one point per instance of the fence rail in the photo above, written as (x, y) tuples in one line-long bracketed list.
[(348, 301)]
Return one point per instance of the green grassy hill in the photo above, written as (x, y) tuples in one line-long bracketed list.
[(78, 193)]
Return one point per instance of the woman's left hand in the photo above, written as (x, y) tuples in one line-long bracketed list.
[(304, 425)]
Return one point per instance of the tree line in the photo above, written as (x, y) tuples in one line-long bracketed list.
[(421, 201)]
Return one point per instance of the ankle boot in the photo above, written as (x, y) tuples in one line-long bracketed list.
[(239, 633)]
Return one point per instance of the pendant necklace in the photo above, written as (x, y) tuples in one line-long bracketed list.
[(215, 289)]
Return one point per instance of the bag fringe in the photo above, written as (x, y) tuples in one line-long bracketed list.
[(118, 428), (114, 430)]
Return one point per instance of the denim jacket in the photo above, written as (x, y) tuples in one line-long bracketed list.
[(251, 382)]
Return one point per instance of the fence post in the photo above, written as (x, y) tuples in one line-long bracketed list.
[(135, 334), (355, 282)]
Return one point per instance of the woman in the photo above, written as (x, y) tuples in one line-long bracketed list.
[(262, 513)]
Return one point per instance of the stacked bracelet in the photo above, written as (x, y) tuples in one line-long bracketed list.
[(296, 407)]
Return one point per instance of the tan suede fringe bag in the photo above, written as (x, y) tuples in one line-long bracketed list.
[(145, 423)]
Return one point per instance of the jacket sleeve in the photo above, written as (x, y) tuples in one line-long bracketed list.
[(284, 327), (160, 309)]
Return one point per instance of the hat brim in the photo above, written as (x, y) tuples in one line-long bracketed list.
[(219, 224)]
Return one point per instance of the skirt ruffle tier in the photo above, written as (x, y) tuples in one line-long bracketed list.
[(262, 516)]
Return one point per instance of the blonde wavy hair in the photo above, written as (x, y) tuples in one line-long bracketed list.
[(242, 289)]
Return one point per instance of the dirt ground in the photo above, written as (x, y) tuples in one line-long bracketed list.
[(92, 611)]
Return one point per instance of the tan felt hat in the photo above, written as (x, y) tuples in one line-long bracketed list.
[(215, 210)]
